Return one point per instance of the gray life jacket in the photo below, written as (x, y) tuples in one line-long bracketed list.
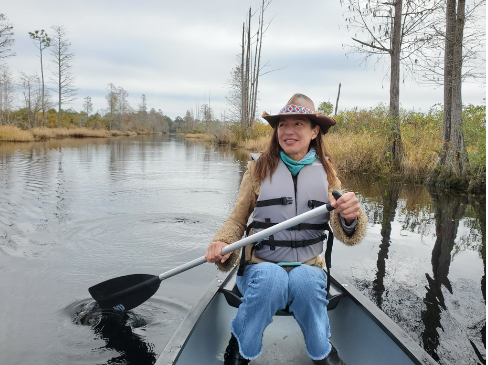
[(278, 202)]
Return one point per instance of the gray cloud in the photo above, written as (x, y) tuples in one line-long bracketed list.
[(178, 52)]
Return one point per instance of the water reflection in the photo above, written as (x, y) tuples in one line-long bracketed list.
[(119, 336), (84, 209), (390, 202), (449, 209)]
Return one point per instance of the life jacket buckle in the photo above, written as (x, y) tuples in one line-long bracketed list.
[(286, 200), (258, 245)]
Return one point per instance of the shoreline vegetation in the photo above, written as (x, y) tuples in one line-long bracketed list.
[(357, 144), (9, 133)]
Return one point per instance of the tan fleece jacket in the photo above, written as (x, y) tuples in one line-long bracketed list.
[(235, 226)]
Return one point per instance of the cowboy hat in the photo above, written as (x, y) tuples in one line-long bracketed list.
[(300, 104)]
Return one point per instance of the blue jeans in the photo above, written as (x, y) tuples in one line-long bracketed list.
[(266, 287)]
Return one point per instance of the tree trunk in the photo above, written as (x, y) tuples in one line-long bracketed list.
[(452, 167), (395, 145), (43, 105), (337, 101), (243, 88), (256, 76), (458, 158), (248, 60), (448, 67), (59, 86)]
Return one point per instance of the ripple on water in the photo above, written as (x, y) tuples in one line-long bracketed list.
[(141, 239)]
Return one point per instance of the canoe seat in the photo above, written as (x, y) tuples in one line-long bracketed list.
[(234, 299)]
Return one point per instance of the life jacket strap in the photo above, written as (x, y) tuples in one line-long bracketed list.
[(292, 244), (278, 201), (298, 227)]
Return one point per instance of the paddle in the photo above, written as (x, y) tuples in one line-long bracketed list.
[(127, 292)]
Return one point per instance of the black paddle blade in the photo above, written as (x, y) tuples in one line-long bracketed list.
[(125, 292)]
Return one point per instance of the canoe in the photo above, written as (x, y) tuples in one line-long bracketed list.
[(361, 332)]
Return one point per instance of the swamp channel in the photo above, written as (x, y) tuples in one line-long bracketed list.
[(76, 212)]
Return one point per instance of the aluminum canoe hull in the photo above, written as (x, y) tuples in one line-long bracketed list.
[(361, 332)]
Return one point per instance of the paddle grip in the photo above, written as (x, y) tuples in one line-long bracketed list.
[(336, 194)]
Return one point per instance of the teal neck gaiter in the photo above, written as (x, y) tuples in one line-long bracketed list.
[(296, 166)]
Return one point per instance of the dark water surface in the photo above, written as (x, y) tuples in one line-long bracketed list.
[(74, 213)]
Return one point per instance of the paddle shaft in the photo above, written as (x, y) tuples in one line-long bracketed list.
[(255, 237)]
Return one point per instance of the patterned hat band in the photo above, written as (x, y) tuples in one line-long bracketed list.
[(295, 109)]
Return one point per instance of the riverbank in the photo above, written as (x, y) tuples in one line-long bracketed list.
[(359, 141), (15, 134)]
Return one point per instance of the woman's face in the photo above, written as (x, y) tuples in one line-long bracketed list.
[(294, 135)]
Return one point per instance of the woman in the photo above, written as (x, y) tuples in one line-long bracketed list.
[(292, 176)]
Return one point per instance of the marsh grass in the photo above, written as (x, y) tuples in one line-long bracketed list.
[(358, 142), (15, 134), (199, 136)]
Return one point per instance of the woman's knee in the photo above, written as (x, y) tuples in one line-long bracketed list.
[(306, 278), (268, 278)]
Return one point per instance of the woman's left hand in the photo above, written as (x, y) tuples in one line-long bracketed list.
[(347, 206)]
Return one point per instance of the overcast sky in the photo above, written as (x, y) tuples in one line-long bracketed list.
[(180, 52)]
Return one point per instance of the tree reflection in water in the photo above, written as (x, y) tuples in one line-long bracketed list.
[(390, 202), (449, 209)]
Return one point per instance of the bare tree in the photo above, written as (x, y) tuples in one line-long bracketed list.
[(250, 67), (63, 75), (430, 61), (207, 115), (234, 98), (396, 30), (42, 41), (6, 95), (452, 167), (6, 35), (112, 98), (30, 86), (88, 108), (123, 107), (143, 110), (189, 121)]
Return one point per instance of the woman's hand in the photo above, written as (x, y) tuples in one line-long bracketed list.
[(214, 251), (347, 206)]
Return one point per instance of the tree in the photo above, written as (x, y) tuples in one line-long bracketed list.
[(189, 121), (63, 76), (32, 96), (430, 61), (251, 69), (207, 115), (452, 167), (143, 110), (234, 99), (325, 107), (88, 108), (6, 95), (42, 41), (112, 98), (123, 107), (396, 30), (6, 39)]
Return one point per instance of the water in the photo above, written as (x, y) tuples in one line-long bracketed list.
[(74, 213)]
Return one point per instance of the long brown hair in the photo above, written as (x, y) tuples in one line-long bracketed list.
[(268, 161)]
